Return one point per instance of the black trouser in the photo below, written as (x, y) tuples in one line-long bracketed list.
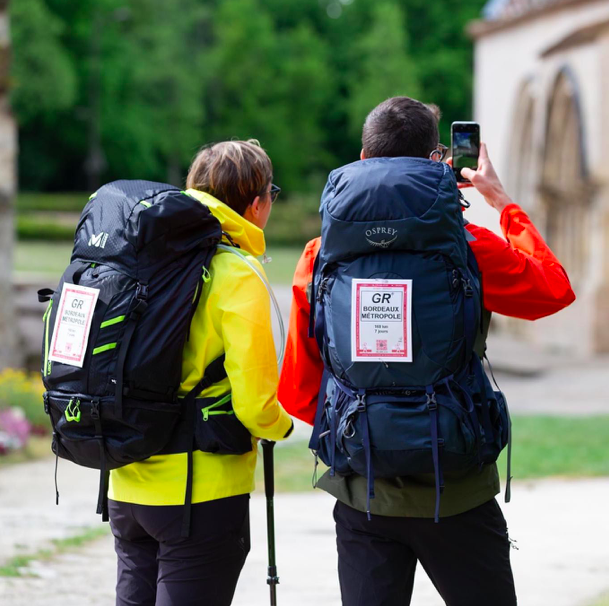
[(157, 567), (467, 557)]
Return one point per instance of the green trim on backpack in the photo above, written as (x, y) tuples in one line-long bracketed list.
[(46, 370), (103, 348), (112, 321)]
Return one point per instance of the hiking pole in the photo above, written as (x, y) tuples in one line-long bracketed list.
[(269, 489)]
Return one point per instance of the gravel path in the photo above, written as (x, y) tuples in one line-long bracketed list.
[(557, 525)]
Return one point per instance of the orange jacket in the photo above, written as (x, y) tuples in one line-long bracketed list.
[(521, 278)]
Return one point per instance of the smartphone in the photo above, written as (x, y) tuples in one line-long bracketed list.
[(465, 142)]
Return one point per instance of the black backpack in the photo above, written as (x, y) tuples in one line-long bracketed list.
[(146, 249)]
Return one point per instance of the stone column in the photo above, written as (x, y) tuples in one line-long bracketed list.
[(9, 356), (601, 320)]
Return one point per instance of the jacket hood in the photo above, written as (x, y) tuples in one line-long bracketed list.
[(249, 237)]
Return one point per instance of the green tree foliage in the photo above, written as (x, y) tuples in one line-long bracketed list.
[(444, 53), (270, 85), (382, 66), (152, 81), (156, 82), (43, 76)]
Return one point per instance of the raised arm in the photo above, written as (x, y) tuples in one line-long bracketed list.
[(521, 277)]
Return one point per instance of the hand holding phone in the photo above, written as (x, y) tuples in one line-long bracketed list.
[(485, 180), (465, 142)]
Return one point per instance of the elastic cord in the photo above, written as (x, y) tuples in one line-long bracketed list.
[(271, 294)]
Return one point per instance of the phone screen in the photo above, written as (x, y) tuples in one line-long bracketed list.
[(466, 146)]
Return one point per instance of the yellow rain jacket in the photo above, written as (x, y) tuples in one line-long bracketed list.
[(233, 317)]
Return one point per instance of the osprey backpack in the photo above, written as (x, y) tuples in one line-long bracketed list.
[(115, 330), (396, 310)]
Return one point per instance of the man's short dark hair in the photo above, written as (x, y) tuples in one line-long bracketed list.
[(401, 126)]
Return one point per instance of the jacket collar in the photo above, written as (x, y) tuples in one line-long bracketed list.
[(249, 237)]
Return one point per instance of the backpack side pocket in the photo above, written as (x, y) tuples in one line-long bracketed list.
[(217, 428)]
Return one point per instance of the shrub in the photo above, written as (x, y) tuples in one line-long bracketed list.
[(293, 222), (22, 390), (33, 227), (38, 201)]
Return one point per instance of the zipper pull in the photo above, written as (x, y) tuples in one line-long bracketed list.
[(455, 278), (205, 412), (467, 287)]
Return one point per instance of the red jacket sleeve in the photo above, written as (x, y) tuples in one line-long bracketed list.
[(521, 277), (302, 366)]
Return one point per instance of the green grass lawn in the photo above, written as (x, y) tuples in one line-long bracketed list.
[(543, 446), (51, 259), (559, 446), (42, 258), (281, 270)]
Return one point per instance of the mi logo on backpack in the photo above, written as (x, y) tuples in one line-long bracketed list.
[(99, 240)]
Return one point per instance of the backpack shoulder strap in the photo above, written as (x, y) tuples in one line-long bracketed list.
[(214, 373)]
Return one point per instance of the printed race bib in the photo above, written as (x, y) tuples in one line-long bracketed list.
[(381, 321), (73, 324)]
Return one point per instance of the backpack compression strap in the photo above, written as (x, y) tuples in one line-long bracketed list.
[(139, 307), (214, 373)]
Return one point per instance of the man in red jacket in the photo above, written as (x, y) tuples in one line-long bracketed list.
[(467, 554)]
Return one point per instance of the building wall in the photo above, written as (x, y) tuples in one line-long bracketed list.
[(509, 67)]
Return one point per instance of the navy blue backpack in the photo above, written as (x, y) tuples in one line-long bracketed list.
[(396, 310)]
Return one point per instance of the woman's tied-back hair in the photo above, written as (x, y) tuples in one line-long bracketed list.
[(234, 172)]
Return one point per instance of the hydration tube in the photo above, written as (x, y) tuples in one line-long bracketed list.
[(235, 251)]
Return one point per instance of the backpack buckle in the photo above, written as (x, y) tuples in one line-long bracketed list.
[(45, 399), (361, 402), (95, 409), (141, 296), (432, 403), (141, 292)]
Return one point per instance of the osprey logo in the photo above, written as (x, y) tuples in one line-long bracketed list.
[(99, 240), (384, 233)]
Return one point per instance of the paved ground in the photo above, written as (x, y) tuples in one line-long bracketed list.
[(562, 560)]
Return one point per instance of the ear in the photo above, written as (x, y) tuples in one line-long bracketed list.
[(362, 155), (252, 212), (255, 206)]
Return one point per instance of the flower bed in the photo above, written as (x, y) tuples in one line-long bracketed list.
[(21, 409)]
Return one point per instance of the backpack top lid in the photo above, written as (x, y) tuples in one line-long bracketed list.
[(138, 227), (391, 204)]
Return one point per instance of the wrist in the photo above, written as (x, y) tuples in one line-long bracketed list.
[(501, 201)]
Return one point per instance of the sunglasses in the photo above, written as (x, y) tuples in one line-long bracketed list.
[(273, 193), (439, 153)]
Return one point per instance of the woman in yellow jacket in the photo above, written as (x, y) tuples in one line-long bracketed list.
[(156, 565)]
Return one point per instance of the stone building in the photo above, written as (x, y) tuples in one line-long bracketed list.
[(542, 100)]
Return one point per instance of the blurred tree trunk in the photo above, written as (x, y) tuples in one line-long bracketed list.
[(9, 356)]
